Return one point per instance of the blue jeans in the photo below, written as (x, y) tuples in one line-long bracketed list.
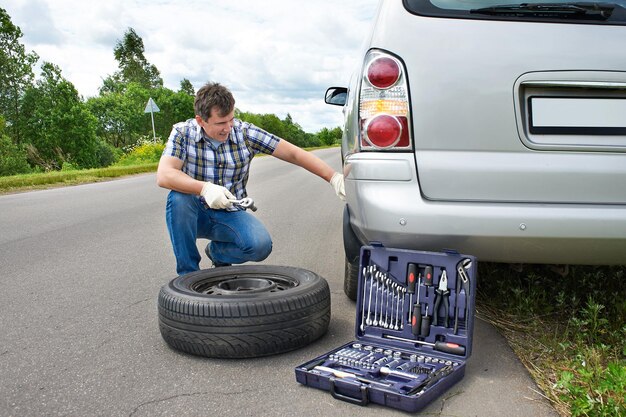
[(236, 236)]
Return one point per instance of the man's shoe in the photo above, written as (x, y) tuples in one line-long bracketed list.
[(215, 264)]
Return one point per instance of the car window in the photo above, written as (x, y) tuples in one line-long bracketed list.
[(551, 11)]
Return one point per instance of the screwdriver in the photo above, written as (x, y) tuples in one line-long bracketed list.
[(415, 311), (428, 277), (426, 320), (440, 346)]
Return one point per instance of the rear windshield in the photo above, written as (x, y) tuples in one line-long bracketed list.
[(553, 11)]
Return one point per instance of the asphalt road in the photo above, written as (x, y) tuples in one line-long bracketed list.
[(81, 268)]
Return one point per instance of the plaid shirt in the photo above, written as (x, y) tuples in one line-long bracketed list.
[(227, 164)]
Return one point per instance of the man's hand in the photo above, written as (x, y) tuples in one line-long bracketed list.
[(217, 196), (338, 185)]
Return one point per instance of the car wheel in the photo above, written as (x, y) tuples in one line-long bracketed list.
[(244, 311), (351, 278)]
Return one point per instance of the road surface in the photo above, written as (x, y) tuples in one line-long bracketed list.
[(81, 268)]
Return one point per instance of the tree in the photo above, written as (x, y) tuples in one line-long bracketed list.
[(294, 133), (187, 87), (330, 136), (58, 126), (133, 65), (16, 73), (121, 118)]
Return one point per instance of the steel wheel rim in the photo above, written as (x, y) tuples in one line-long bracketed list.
[(240, 284)]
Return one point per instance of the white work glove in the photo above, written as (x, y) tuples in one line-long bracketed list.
[(338, 185), (217, 196)]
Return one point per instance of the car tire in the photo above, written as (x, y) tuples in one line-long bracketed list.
[(244, 311), (351, 278)]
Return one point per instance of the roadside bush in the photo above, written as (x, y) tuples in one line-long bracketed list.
[(12, 158), (68, 166), (107, 154), (145, 151)]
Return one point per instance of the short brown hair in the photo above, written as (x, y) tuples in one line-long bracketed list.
[(211, 95)]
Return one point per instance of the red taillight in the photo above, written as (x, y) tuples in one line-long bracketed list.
[(383, 131), (384, 104), (383, 72)]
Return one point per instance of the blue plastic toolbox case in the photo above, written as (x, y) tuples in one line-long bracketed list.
[(414, 326)]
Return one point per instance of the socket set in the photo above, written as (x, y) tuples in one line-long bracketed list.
[(414, 326)]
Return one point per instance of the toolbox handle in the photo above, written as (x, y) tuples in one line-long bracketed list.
[(364, 400)]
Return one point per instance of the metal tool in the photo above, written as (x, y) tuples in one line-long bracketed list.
[(364, 275), (400, 289), (386, 371), (447, 347), (432, 379), (245, 203), (416, 311), (368, 321), (383, 293), (411, 277), (379, 283), (462, 284), (428, 276), (442, 297), (402, 308), (385, 305), (343, 374), (425, 328)]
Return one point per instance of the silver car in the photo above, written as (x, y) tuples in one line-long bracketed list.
[(496, 130)]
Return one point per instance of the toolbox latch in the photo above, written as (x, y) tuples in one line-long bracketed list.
[(364, 400)]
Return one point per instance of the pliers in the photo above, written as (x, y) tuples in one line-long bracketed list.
[(462, 283), (442, 293)]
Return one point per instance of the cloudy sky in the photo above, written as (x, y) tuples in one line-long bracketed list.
[(277, 56)]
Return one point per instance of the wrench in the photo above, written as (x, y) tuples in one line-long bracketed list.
[(386, 295), (245, 203), (378, 284), (364, 275), (403, 297), (398, 317), (368, 321), (395, 300)]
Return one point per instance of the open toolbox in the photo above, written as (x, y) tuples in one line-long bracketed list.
[(414, 326)]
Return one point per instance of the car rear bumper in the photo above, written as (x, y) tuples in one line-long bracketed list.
[(387, 207)]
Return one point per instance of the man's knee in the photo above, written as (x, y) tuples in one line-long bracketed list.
[(259, 248)]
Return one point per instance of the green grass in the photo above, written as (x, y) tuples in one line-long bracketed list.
[(568, 331), (27, 182)]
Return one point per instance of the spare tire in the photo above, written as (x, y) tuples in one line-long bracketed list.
[(244, 311)]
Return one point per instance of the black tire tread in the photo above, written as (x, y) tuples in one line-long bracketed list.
[(243, 328), (351, 278)]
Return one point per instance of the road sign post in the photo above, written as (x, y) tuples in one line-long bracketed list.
[(151, 108)]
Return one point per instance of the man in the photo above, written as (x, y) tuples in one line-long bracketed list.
[(206, 163)]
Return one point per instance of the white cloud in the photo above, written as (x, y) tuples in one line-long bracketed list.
[(277, 56)]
